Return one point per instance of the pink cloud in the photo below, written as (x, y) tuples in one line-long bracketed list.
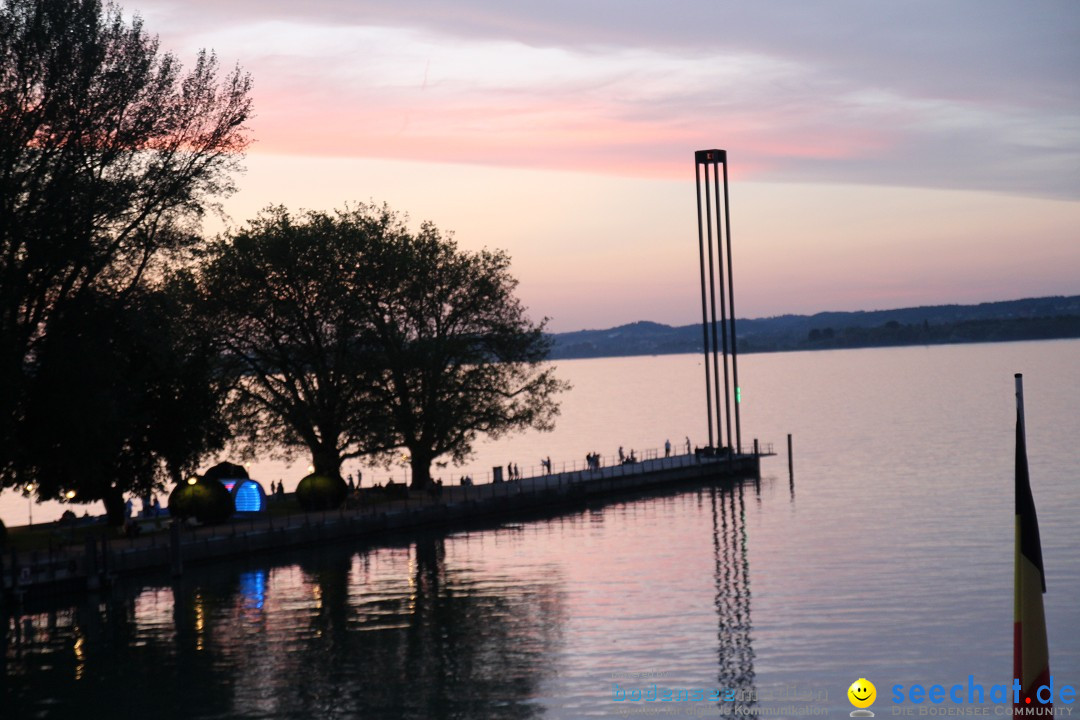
[(800, 94), (540, 130)]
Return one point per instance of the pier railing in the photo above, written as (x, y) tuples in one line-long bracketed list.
[(102, 557), (630, 458)]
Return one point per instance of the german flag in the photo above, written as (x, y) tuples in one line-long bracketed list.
[(1031, 660)]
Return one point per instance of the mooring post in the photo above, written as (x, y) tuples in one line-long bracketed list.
[(175, 557), (90, 562), (790, 461), (14, 571)]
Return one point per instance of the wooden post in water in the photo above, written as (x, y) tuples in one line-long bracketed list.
[(90, 561), (175, 559), (105, 564), (790, 461), (14, 573)]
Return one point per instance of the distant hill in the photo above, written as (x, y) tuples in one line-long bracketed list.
[(1030, 319)]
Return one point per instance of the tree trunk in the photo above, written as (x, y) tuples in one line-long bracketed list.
[(421, 470), (114, 507), (326, 462)]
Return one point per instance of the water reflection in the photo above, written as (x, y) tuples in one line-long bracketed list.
[(388, 633), (735, 652), (253, 590), (509, 621)]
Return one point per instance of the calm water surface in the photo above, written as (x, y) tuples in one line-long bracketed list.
[(889, 557)]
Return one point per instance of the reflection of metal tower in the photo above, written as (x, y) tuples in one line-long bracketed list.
[(708, 198), (735, 651)]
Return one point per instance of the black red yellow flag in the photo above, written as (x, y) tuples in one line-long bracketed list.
[(1031, 659)]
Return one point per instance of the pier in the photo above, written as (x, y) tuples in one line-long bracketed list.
[(75, 568)]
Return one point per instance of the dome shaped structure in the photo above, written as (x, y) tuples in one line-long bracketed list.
[(247, 494)]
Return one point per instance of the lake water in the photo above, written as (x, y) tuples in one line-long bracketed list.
[(889, 558)]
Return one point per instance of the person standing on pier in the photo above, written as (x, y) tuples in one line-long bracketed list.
[(667, 448)]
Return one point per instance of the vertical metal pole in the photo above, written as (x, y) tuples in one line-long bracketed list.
[(723, 299), (712, 299), (731, 307), (704, 310), (731, 390)]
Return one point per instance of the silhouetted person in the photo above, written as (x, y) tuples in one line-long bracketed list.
[(667, 448)]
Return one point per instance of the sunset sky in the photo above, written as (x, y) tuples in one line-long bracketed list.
[(881, 154)]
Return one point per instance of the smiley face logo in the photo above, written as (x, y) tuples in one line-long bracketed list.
[(862, 693)]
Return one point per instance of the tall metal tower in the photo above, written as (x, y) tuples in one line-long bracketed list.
[(713, 215)]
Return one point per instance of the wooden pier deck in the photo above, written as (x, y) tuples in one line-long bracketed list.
[(74, 569)]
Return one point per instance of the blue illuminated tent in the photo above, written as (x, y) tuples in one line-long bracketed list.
[(247, 494)]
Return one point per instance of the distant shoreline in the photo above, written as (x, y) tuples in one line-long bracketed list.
[(1052, 318)]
